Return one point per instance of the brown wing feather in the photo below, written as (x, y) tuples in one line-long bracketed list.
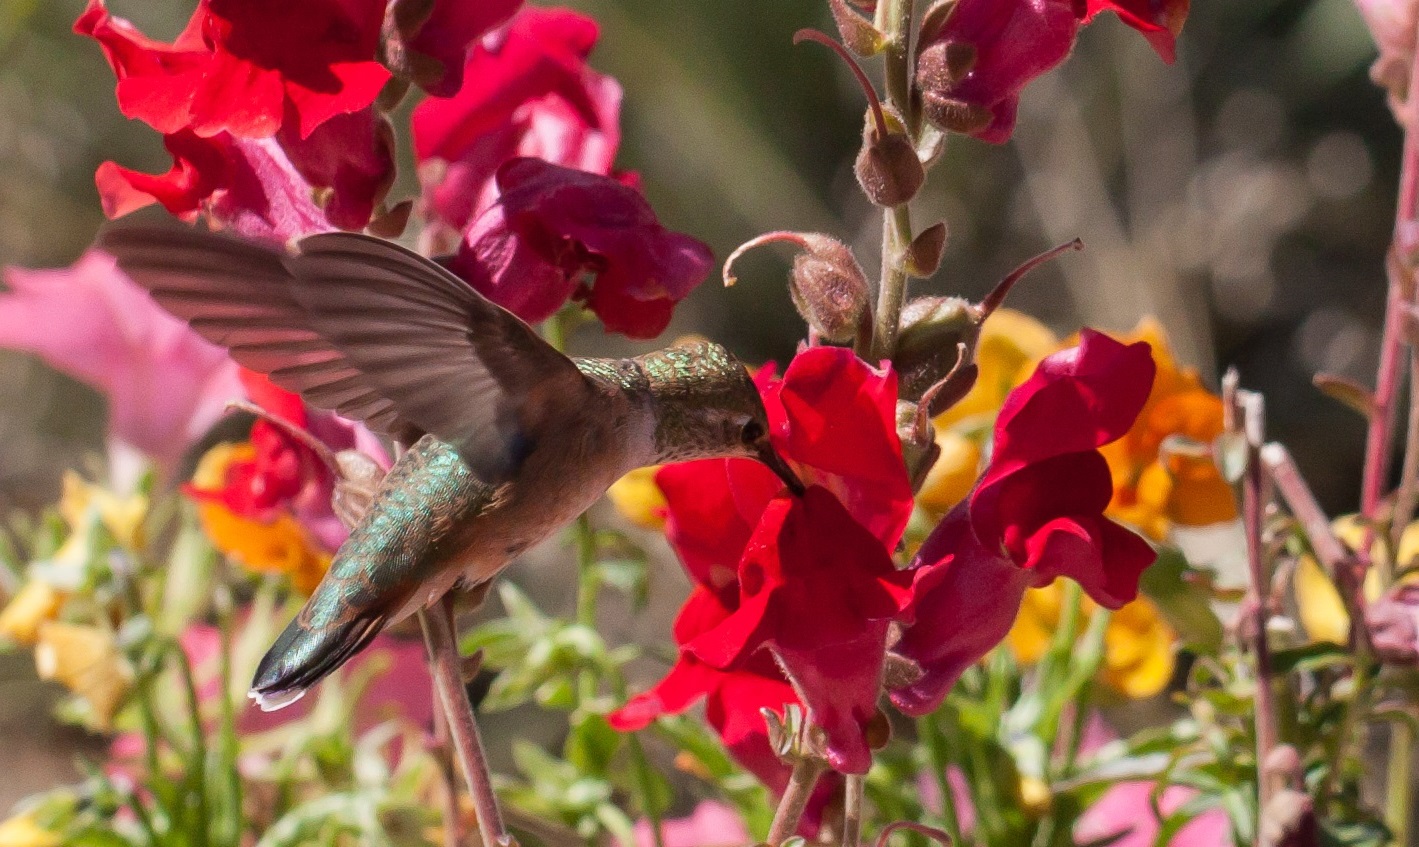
[(366, 328)]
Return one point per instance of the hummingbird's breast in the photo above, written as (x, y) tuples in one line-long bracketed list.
[(434, 522)]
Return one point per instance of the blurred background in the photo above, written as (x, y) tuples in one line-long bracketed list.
[(1244, 196)]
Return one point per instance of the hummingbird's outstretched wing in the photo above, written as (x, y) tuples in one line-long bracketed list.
[(368, 329)]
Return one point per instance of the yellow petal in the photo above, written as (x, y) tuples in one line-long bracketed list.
[(1138, 650), (1034, 626), (122, 516), (87, 661), (23, 831), (1322, 612), (34, 604), (954, 474), (639, 499)]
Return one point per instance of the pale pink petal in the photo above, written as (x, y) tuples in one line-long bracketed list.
[(165, 385)]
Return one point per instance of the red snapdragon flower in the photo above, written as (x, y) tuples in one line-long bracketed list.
[(809, 578), (974, 61), (1036, 514), (529, 92), (244, 66), (262, 184), (553, 226), (284, 474), (453, 26)]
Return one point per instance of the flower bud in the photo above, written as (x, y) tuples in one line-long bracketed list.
[(827, 284), (924, 253), (1393, 624), (918, 437), (927, 347), (887, 167)]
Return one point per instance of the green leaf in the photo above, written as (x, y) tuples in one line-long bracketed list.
[(1311, 658), (592, 744), (1185, 606)]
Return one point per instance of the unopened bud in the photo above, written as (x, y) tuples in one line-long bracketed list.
[(827, 285), (887, 167), (1393, 624), (858, 33), (918, 437), (932, 327), (934, 19), (924, 253)]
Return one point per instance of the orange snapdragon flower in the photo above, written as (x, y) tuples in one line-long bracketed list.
[(1154, 491), (263, 543)]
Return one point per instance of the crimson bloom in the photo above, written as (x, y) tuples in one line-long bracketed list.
[(272, 180), (1036, 514), (554, 226), (809, 578), (240, 65), (529, 92), (975, 60)]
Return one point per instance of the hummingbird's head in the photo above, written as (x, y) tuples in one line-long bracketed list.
[(707, 407)]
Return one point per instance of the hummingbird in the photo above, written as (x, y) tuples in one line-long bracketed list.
[(507, 438)]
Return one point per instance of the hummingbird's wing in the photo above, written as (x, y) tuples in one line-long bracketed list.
[(368, 329)]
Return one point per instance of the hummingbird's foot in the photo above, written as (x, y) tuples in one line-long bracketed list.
[(452, 695)]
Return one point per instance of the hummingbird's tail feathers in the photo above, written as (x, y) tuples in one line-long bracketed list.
[(301, 657)]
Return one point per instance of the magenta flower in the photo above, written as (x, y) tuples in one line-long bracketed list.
[(974, 61), (529, 92), (452, 28), (553, 227), (1036, 514), (164, 384)]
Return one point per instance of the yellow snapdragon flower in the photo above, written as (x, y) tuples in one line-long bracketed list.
[(34, 604), (638, 498), (1138, 642), (87, 661), (24, 831)]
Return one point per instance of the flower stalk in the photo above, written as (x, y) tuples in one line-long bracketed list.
[(806, 771), (894, 20)]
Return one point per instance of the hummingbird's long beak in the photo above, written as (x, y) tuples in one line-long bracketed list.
[(769, 456)]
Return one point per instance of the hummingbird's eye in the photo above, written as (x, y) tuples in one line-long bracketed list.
[(752, 432)]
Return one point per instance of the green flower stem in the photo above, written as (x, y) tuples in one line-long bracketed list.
[(852, 810), (794, 800), (588, 585), (1399, 786), (643, 785), (231, 781), (197, 767), (1340, 742), (894, 18), (939, 752)]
